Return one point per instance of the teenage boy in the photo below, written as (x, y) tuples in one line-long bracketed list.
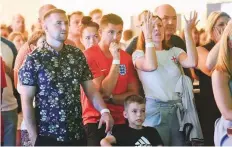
[(114, 77), (133, 133)]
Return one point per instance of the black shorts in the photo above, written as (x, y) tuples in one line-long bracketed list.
[(95, 135)]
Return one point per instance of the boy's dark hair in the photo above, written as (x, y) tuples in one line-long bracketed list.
[(111, 18), (134, 99)]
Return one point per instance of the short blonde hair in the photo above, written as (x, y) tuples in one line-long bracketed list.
[(75, 13), (94, 11), (53, 11), (12, 35), (212, 19)]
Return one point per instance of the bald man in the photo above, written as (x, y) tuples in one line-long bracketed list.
[(168, 15), (43, 10), (18, 25)]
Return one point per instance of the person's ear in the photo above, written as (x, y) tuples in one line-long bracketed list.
[(100, 32), (125, 114), (44, 25)]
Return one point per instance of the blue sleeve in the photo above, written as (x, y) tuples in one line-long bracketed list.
[(28, 73)]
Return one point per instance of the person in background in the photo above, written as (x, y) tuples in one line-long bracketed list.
[(215, 25), (96, 15), (127, 37), (114, 77), (35, 27), (9, 103), (222, 89), (35, 40), (89, 32), (3, 85), (133, 133), (202, 37), (4, 31), (17, 38), (74, 29), (157, 65), (26, 47), (132, 46), (18, 25)]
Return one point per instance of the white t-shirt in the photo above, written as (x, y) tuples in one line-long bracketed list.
[(160, 84), (9, 101)]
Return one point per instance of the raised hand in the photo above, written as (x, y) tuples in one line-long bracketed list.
[(147, 26), (191, 22), (217, 33)]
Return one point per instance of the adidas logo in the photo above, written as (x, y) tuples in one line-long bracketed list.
[(143, 142)]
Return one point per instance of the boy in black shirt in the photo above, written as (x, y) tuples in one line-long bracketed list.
[(133, 133)]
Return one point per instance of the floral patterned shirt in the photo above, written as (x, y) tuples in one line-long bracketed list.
[(57, 77)]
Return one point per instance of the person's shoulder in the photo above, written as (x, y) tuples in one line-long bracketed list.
[(73, 49), (176, 38), (9, 44), (92, 50)]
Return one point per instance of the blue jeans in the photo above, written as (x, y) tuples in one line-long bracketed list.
[(163, 117), (10, 119)]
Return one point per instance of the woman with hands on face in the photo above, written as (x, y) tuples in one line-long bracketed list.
[(207, 58), (157, 65)]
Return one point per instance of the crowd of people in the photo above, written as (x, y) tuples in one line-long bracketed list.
[(76, 83)]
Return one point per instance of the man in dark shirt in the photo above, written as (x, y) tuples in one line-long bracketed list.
[(52, 74), (168, 15)]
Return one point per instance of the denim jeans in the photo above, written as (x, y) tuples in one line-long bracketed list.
[(163, 117), (10, 119)]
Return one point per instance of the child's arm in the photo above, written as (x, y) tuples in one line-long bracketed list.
[(108, 140)]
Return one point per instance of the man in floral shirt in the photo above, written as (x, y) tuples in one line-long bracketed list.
[(52, 74)]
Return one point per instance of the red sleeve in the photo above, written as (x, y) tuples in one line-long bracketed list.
[(132, 72), (94, 68), (3, 76)]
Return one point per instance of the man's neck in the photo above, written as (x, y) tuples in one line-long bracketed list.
[(56, 45), (104, 48), (74, 38), (158, 46), (136, 127)]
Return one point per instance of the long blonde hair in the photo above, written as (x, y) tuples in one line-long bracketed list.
[(224, 62), (211, 21)]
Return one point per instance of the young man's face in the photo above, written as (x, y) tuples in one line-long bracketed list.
[(135, 114), (96, 17), (56, 26), (111, 33), (74, 26), (89, 37)]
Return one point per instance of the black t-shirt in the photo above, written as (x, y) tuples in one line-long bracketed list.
[(126, 136)]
